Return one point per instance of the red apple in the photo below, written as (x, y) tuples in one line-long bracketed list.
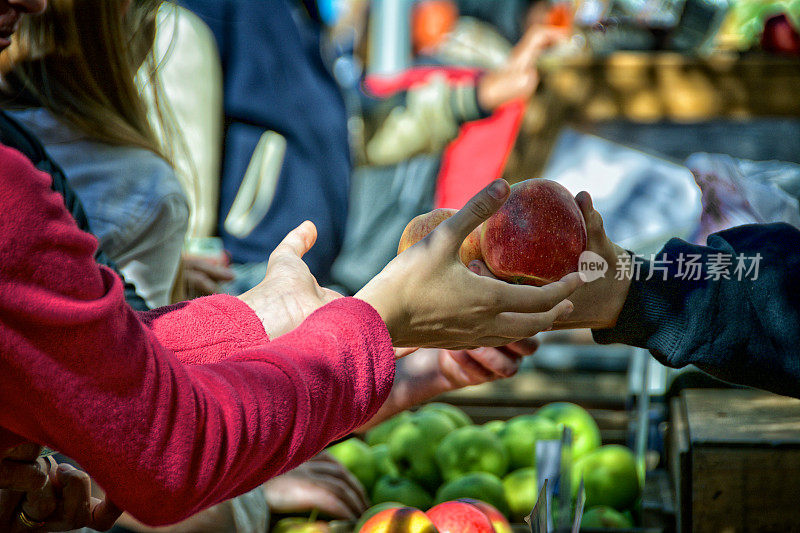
[(498, 519), (459, 517), (420, 226), (538, 235), (399, 520)]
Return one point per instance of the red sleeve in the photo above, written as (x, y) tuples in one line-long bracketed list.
[(81, 373)]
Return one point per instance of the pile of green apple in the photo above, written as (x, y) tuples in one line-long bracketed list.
[(437, 455)]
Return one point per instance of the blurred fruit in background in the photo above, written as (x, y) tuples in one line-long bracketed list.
[(478, 486), (372, 511), (609, 477), (400, 489), (384, 466), (437, 450), (471, 449), (456, 415), (300, 525), (519, 436), (605, 517), (521, 489), (357, 457), (413, 443), (431, 21), (399, 520), (380, 433), (499, 521), (585, 433)]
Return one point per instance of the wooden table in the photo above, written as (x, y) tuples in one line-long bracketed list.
[(735, 461)]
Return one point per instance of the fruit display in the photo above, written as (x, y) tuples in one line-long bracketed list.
[(468, 476), (535, 238), (609, 477)]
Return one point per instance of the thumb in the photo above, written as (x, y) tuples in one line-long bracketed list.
[(479, 208), (298, 241)]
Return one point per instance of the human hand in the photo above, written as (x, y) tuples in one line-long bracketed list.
[(519, 77), (597, 304), (427, 297), (320, 483), (20, 471), (289, 292), (431, 372), (466, 368), (204, 276), (38, 495)]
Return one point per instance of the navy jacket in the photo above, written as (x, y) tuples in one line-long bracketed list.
[(275, 79), (744, 331)]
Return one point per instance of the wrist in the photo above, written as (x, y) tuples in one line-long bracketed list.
[(375, 294), (619, 293)]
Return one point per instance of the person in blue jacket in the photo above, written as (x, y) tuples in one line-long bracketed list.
[(275, 80)]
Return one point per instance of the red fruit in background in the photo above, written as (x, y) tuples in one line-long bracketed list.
[(399, 520), (780, 36), (459, 517), (431, 21), (498, 519), (537, 236)]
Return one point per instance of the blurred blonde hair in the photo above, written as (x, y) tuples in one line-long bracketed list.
[(79, 59)]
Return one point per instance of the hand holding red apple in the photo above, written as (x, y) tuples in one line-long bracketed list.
[(599, 302), (428, 298)]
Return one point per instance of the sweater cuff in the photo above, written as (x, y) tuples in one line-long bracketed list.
[(378, 335), (206, 330), (464, 103), (649, 318)]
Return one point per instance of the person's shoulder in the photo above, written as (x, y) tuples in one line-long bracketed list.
[(18, 173), (155, 177)]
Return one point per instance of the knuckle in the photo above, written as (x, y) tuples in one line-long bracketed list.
[(480, 208)]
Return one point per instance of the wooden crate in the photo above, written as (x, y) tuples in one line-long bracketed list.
[(734, 456)]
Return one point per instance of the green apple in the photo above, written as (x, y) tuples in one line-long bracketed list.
[(609, 477), (605, 517), (471, 449), (300, 525), (372, 511), (522, 490), (519, 437), (412, 447), (495, 426), (380, 433), (459, 417), (398, 489), (357, 457), (384, 466), (477, 485), (586, 434)]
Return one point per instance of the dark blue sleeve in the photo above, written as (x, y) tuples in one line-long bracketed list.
[(744, 329)]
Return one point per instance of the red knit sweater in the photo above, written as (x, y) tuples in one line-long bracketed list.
[(175, 410)]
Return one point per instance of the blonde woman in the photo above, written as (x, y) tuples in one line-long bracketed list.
[(70, 79)]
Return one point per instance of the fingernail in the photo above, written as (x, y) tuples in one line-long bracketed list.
[(498, 189), (583, 276), (565, 314)]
